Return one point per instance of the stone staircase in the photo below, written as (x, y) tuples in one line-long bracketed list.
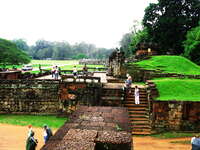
[(138, 114)]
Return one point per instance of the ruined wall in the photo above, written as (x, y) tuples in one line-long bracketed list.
[(29, 96), (116, 64), (46, 96)]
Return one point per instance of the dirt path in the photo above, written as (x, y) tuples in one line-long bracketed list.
[(14, 138)]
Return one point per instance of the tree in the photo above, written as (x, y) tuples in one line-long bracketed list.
[(11, 55), (125, 44), (192, 45), (169, 20), (21, 44), (139, 37)]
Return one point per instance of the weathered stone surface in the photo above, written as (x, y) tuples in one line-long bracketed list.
[(87, 128)]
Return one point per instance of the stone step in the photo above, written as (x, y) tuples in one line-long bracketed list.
[(133, 96), (136, 109), (141, 132), (140, 126), (133, 102), (139, 118), (140, 122), (112, 98), (133, 115), (136, 105)]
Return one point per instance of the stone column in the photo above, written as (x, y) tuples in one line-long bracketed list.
[(175, 115)]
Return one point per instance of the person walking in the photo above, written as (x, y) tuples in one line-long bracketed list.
[(56, 73), (53, 71), (128, 84), (30, 130), (75, 72), (85, 70), (195, 141), (31, 142), (137, 95), (47, 133)]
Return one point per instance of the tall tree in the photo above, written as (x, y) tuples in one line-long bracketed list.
[(125, 44), (10, 54), (21, 44), (169, 20), (192, 45)]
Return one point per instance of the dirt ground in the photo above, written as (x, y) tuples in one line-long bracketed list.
[(14, 138)]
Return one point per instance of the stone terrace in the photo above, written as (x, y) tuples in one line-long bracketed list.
[(93, 128)]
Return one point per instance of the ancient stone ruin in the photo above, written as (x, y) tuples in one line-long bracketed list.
[(93, 128)]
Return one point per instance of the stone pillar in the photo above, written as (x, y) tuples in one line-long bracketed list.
[(175, 115)]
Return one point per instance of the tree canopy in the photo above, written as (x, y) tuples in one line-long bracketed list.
[(168, 21), (10, 54), (192, 45), (63, 50)]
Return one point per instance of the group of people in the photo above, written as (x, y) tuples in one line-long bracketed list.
[(85, 70), (127, 88), (31, 142), (55, 72)]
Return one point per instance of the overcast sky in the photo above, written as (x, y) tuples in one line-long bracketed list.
[(100, 22)]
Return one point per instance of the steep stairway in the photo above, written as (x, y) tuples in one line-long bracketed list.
[(138, 113)]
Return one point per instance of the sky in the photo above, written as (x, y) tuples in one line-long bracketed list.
[(99, 22)]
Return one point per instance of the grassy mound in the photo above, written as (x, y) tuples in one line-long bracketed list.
[(178, 89), (170, 64)]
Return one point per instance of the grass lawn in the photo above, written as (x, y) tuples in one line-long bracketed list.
[(178, 89), (35, 120), (168, 135), (181, 142), (170, 64)]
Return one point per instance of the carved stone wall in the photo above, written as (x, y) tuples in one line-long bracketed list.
[(46, 96), (116, 64), (29, 96)]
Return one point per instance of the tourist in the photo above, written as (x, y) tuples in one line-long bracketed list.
[(31, 142), (47, 133), (30, 130), (195, 141), (137, 95), (56, 73), (53, 71), (128, 84), (75, 71), (85, 70)]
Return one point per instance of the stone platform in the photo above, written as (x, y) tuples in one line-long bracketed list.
[(93, 128)]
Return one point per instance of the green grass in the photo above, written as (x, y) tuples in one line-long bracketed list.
[(181, 142), (54, 62), (178, 89), (168, 135), (34, 120), (170, 64)]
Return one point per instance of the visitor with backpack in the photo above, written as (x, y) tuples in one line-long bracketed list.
[(195, 141), (31, 142), (47, 133), (128, 84)]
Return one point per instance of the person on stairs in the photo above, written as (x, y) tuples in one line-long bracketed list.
[(137, 95), (128, 84)]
